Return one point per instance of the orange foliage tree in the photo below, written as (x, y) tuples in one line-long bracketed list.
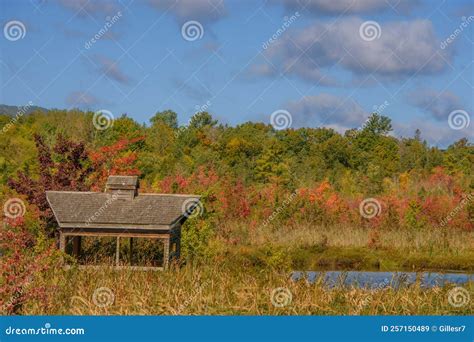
[(116, 159)]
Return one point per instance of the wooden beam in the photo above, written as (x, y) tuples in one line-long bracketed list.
[(111, 234), (90, 226), (131, 250), (166, 253), (114, 268), (62, 242), (76, 246), (62, 246), (178, 247), (117, 252)]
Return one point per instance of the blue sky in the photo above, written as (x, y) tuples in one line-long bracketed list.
[(321, 65)]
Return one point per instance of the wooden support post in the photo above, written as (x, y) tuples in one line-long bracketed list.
[(166, 253), (62, 242), (62, 245), (178, 243), (117, 252), (76, 246), (131, 250), (178, 247)]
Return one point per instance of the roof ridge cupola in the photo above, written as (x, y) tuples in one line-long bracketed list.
[(123, 187)]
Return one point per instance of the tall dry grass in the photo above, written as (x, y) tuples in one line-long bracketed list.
[(341, 235), (222, 289), (239, 279)]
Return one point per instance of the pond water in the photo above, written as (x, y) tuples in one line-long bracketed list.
[(379, 280)]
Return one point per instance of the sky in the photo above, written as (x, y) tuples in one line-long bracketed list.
[(306, 63)]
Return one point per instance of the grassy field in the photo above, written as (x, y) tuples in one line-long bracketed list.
[(239, 279), (354, 248), (221, 289)]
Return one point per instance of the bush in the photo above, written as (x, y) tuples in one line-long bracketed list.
[(195, 237)]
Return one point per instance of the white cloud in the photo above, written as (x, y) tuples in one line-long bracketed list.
[(339, 7), (204, 11), (438, 104), (111, 68), (83, 8), (81, 99), (327, 110), (435, 133), (403, 49)]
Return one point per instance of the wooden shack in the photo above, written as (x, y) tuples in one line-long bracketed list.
[(122, 212)]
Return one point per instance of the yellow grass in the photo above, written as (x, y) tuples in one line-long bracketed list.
[(219, 289)]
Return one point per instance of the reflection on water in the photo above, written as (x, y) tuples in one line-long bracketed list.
[(379, 280)]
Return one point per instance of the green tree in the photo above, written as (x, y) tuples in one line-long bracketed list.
[(202, 119), (272, 166), (413, 153), (377, 125), (459, 157), (167, 117)]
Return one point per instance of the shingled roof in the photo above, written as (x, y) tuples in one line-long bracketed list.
[(110, 210)]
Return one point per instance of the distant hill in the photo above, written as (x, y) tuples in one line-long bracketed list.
[(13, 110)]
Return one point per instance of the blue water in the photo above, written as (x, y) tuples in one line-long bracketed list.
[(379, 280)]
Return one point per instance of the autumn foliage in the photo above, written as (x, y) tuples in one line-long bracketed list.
[(116, 159), (434, 202), (251, 179), (24, 260), (61, 167)]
